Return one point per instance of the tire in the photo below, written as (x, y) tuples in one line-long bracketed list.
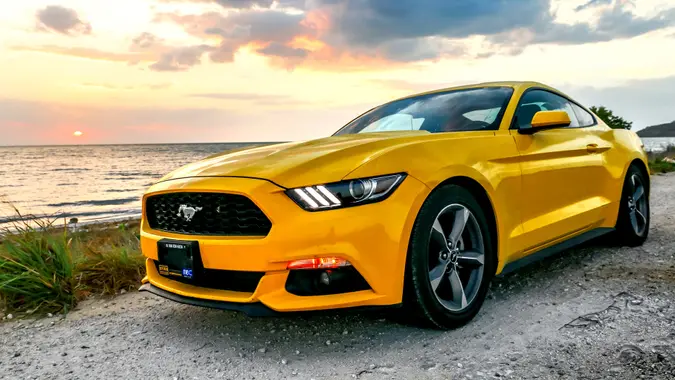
[(632, 224), (435, 299)]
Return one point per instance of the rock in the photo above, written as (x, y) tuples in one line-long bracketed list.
[(328, 343), (297, 352), (262, 350), (345, 332), (630, 353), (459, 365), (10, 316), (386, 369), (49, 315), (123, 291), (284, 361)]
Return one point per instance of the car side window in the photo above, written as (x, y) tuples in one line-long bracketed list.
[(585, 118), (540, 100)]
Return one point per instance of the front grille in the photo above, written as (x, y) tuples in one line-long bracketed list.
[(237, 281), (216, 214)]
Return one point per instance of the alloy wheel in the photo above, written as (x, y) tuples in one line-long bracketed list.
[(456, 257)]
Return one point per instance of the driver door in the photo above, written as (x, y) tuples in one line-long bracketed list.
[(562, 175)]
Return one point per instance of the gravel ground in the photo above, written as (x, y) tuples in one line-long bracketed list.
[(593, 312)]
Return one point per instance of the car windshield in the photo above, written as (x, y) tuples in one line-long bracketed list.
[(449, 111)]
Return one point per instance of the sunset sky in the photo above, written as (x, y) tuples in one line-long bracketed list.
[(154, 71)]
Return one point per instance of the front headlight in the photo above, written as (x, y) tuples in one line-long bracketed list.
[(345, 193)]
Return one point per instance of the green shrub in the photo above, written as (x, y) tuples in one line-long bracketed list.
[(107, 268), (661, 166), (47, 269), (37, 271)]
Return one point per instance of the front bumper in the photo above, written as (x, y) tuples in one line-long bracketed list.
[(373, 237), (255, 309)]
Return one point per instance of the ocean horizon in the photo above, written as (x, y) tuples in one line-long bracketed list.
[(104, 182)]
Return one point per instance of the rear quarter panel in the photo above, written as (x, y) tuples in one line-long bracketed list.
[(627, 148)]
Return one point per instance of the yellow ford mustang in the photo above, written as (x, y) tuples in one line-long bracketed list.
[(416, 203)]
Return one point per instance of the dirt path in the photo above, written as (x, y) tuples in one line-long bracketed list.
[(529, 328)]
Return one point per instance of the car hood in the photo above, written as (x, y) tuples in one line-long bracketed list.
[(299, 163)]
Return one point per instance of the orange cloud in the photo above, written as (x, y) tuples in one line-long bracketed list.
[(88, 53)]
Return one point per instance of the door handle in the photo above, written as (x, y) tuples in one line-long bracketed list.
[(592, 148)]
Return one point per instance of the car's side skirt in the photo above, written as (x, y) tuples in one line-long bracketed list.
[(555, 249)]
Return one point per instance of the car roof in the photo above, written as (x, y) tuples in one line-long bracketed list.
[(513, 84)]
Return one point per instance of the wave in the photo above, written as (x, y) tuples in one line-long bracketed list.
[(72, 170), (105, 202), (125, 174)]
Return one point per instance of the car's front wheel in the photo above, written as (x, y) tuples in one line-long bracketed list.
[(450, 259)]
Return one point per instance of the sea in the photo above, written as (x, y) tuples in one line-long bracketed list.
[(102, 183)]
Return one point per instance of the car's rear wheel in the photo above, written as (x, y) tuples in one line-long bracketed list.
[(450, 259), (632, 225)]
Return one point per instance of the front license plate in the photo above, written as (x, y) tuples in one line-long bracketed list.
[(178, 258)]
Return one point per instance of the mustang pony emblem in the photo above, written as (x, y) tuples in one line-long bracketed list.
[(188, 212)]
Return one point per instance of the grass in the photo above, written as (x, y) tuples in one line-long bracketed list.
[(660, 166), (662, 162), (47, 269)]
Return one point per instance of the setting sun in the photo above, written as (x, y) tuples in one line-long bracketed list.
[(77, 133)]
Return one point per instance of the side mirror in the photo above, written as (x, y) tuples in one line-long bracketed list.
[(544, 120)]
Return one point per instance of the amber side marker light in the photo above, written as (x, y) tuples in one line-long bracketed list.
[(319, 263)]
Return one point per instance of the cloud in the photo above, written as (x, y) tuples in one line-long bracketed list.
[(88, 53), (146, 40), (257, 99), (372, 22), (61, 20), (403, 31), (109, 86), (613, 23), (246, 4), (407, 87), (367, 34), (592, 4), (645, 102), (278, 50), (181, 58)]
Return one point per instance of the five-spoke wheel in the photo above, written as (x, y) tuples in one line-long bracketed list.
[(450, 261), (456, 257)]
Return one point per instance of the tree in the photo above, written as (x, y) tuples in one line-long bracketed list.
[(612, 120)]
